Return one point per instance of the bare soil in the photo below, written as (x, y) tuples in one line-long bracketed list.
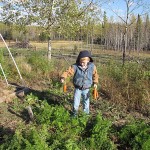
[(9, 119), (6, 92)]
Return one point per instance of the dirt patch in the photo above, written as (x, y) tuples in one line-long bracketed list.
[(11, 91), (9, 120), (7, 93)]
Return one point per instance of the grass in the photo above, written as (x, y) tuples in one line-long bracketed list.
[(57, 44), (53, 127), (128, 85), (80, 45), (123, 105)]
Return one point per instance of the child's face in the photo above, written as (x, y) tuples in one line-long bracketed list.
[(84, 63)]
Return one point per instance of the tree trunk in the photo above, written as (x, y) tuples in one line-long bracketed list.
[(125, 45), (49, 49)]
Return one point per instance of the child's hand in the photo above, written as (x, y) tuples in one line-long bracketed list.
[(95, 86), (62, 80)]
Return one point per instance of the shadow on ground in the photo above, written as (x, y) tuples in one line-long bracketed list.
[(5, 133)]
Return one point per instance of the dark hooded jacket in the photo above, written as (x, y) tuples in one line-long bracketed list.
[(83, 54), (82, 78)]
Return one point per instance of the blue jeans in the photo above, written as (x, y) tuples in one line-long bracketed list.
[(85, 100)]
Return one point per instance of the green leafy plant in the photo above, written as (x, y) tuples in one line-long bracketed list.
[(136, 136), (31, 99), (1, 56), (40, 63), (32, 139), (99, 138)]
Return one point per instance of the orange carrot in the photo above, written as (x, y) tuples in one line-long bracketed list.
[(64, 87), (95, 93)]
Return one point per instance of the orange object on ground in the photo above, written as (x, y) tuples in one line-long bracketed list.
[(95, 93), (64, 87)]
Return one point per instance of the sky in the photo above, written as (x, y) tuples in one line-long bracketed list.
[(113, 7), (119, 7)]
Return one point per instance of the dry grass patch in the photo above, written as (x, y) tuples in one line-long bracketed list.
[(2, 44), (56, 44)]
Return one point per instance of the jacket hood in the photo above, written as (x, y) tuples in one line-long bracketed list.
[(83, 54)]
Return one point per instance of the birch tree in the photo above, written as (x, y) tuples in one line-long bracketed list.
[(131, 6), (105, 27), (60, 15)]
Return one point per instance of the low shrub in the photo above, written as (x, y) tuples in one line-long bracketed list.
[(128, 84), (135, 136), (40, 63)]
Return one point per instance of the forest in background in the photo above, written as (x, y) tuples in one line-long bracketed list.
[(108, 35), (77, 20)]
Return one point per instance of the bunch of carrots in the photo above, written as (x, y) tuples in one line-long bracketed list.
[(95, 92)]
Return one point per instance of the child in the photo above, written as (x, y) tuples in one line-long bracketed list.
[(85, 75)]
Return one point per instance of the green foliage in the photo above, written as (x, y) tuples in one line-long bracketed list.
[(43, 113), (8, 35), (130, 82), (66, 20), (130, 72), (43, 36), (16, 106), (64, 129), (55, 129), (134, 72), (136, 136), (40, 63), (115, 71), (135, 89), (146, 67), (1, 60), (31, 138), (99, 138), (31, 99), (105, 25), (146, 64), (1, 56)]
